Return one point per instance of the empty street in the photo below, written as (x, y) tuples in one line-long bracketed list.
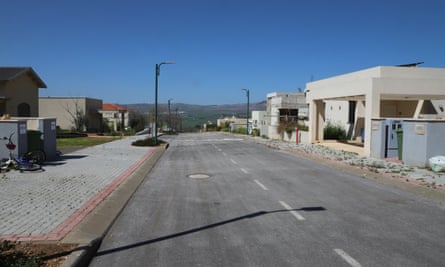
[(219, 200)]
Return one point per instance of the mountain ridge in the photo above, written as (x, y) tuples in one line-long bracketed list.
[(195, 115)]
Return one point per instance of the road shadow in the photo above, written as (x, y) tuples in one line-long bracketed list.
[(62, 159), (202, 228)]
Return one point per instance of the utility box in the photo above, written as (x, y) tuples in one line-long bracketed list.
[(384, 138), (45, 130), (16, 129), (422, 140)]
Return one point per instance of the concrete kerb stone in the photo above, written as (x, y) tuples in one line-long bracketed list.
[(92, 229)]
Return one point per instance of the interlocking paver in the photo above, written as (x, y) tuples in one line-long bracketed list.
[(46, 205)]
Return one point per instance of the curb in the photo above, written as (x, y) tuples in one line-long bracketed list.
[(90, 232), (82, 255)]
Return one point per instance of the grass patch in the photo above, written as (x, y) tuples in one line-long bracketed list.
[(85, 141)]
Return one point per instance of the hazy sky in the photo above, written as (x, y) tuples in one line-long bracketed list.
[(108, 49)]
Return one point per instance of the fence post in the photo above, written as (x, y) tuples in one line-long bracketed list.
[(296, 135)]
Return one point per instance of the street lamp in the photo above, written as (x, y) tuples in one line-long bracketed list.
[(247, 114), (158, 71), (169, 115)]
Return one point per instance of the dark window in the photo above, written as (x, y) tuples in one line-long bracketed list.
[(288, 115), (351, 116)]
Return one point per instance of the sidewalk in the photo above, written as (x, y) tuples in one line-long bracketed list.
[(48, 205)]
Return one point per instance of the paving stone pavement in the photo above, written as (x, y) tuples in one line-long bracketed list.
[(46, 205)]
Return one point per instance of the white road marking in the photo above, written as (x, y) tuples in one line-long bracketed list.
[(233, 161), (244, 170), (293, 212), (347, 258), (224, 154), (261, 185)]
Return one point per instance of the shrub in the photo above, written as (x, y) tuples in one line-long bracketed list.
[(147, 142), (289, 127), (241, 130), (334, 132), (256, 132), (302, 127)]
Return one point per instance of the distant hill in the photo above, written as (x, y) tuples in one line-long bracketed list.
[(195, 115)]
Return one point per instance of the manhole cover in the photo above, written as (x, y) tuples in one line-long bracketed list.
[(198, 176)]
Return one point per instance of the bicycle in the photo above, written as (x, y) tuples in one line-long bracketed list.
[(31, 161)]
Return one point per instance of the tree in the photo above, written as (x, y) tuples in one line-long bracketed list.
[(78, 117), (137, 121)]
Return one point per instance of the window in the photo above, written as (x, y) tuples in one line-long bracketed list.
[(288, 115), (24, 110)]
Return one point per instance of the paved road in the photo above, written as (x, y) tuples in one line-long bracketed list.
[(264, 207)]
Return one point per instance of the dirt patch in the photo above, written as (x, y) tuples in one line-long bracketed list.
[(34, 254)]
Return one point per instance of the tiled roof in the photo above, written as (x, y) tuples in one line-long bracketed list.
[(110, 106), (11, 73)]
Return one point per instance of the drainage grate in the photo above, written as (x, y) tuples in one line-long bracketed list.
[(198, 176)]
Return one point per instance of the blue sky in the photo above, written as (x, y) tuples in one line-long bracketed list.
[(108, 49)]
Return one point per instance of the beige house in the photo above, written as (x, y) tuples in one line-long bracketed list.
[(68, 110), (117, 116), (233, 119), (379, 92), (19, 91)]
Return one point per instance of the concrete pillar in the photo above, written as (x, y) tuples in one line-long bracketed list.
[(372, 110), (316, 121)]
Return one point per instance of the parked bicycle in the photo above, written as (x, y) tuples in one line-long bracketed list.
[(31, 161)]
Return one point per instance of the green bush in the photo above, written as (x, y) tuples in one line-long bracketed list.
[(241, 130), (302, 127), (256, 132), (147, 142), (334, 132)]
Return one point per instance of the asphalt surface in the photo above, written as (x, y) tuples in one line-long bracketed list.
[(217, 200)]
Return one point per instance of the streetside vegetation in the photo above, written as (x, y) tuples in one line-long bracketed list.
[(334, 132), (289, 127), (147, 142), (9, 256)]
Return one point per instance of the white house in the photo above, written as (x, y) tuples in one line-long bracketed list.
[(354, 99), (259, 121)]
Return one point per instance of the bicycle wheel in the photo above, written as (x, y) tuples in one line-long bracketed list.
[(37, 156), (29, 167)]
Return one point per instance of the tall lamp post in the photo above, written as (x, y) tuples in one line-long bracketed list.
[(169, 115), (247, 114), (158, 71)]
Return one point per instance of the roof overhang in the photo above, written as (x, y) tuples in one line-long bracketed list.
[(389, 83)]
